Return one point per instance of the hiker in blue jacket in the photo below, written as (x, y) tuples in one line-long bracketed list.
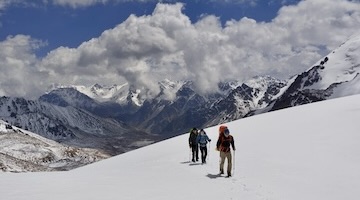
[(202, 139)]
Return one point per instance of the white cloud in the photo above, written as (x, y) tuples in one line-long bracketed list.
[(146, 49), (19, 75)]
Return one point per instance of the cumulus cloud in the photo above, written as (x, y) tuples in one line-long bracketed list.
[(19, 73), (166, 44)]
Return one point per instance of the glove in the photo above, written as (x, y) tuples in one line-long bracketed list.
[(209, 140)]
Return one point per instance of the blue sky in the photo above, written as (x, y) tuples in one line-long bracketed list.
[(65, 25), (83, 42)]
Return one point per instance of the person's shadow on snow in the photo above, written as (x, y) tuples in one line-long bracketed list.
[(213, 176), (191, 163)]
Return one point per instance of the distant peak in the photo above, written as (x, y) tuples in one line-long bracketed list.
[(97, 86)]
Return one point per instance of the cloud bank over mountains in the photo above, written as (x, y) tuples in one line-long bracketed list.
[(143, 50)]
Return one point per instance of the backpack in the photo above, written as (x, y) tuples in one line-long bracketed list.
[(223, 143), (222, 129), (203, 139)]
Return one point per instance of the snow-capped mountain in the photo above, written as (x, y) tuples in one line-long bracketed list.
[(177, 108), (252, 95), (24, 151), (166, 116), (65, 97), (335, 75), (116, 93), (306, 152), (121, 94), (71, 125)]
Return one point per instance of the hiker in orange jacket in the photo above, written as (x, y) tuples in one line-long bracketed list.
[(223, 145)]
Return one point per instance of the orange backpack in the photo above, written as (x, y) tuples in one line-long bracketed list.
[(222, 128)]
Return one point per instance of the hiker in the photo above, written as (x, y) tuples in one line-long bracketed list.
[(202, 140), (193, 144), (223, 145)]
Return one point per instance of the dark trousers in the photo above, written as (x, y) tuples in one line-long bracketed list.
[(203, 151), (195, 152)]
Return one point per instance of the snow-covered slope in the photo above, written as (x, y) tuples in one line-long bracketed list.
[(307, 152), (335, 75), (342, 65), (24, 151)]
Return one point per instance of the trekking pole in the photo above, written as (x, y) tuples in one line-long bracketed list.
[(234, 163), (219, 158), (208, 152), (189, 154)]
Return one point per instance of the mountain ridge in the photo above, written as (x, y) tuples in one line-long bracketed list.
[(71, 125), (188, 108), (24, 151), (331, 77)]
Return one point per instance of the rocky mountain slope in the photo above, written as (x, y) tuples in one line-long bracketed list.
[(24, 151), (187, 108), (335, 75), (72, 126)]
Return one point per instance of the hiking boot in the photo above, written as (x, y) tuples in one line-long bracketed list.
[(229, 174)]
